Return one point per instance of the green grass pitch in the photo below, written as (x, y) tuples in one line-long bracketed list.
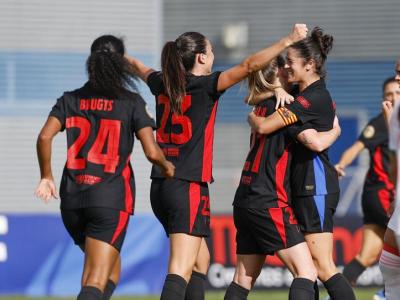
[(361, 294)]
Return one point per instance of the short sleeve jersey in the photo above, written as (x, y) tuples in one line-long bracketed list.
[(265, 179), (187, 139), (311, 172), (100, 137), (375, 138)]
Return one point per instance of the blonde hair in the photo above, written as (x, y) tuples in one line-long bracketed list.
[(264, 80)]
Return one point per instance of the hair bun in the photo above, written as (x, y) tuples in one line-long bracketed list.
[(324, 41)]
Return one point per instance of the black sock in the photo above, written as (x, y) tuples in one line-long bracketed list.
[(316, 290), (195, 289), (353, 270), (90, 293), (301, 289), (174, 288), (108, 290), (339, 288), (236, 292)]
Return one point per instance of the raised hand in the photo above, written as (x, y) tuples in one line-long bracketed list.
[(387, 109), (299, 32)]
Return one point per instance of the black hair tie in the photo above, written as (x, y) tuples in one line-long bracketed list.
[(103, 50), (178, 43)]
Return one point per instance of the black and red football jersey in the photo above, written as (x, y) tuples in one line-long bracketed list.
[(187, 139), (312, 173), (100, 138), (264, 182), (375, 138)]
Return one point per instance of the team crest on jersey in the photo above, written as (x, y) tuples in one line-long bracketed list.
[(304, 102), (369, 132), (148, 111)]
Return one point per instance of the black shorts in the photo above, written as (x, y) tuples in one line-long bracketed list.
[(375, 205), (315, 213), (265, 231), (100, 223), (181, 206)]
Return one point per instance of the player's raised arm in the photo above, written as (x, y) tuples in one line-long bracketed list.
[(139, 68), (260, 59)]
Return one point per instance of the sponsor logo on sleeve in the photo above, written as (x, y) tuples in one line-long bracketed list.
[(303, 102)]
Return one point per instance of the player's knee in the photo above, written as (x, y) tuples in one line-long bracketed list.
[(309, 272), (326, 268), (95, 278), (203, 263), (246, 281), (369, 260), (115, 276), (183, 269)]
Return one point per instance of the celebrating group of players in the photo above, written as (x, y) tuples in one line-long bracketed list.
[(288, 190)]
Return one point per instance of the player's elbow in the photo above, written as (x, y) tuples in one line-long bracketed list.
[(43, 138), (262, 128), (317, 146)]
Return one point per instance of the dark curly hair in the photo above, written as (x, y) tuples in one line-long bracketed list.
[(315, 47), (109, 72)]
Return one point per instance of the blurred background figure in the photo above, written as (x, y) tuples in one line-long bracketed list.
[(378, 189), (389, 262)]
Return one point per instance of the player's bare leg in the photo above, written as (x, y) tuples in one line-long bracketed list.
[(196, 286), (372, 243), (113, 279), (184, 249), (299, 261), (321, 248), (100, 259), (248, 268)]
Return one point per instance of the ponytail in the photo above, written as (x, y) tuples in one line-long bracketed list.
[(177, 60), (174, 75), (109, 72)]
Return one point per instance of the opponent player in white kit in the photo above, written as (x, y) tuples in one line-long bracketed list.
[(389, 262)]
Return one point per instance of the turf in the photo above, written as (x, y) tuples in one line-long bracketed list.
[(361, 294)]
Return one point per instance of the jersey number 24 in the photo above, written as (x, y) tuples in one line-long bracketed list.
[(109, 131)]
